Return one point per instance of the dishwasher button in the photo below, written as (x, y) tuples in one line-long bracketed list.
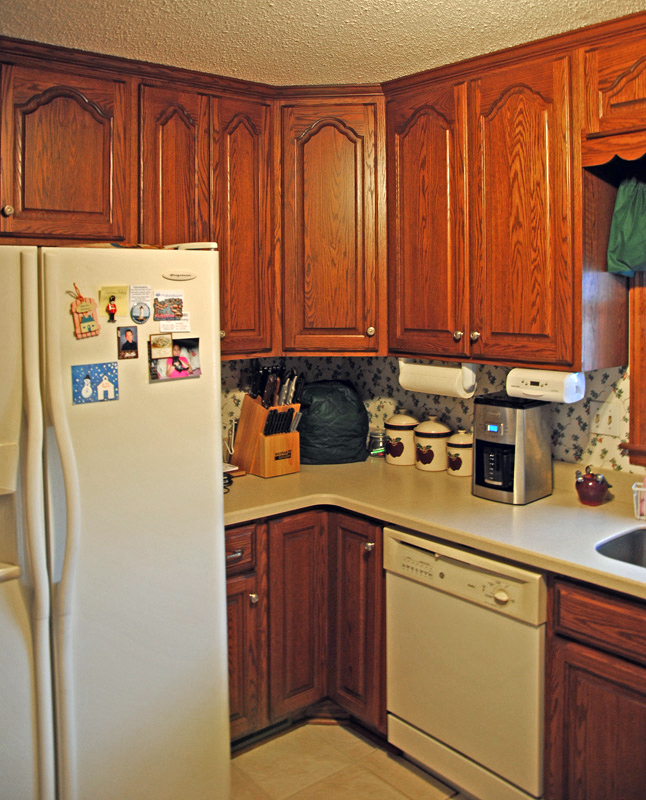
[(501, 597)]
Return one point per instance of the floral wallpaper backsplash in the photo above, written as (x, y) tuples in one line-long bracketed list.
[(376, 382)]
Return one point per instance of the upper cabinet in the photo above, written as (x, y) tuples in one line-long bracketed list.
[(333, 225), (615, 96), (486, 230), (521, 257), (243, 224), (67, 163), (175, 165), (428, 282)]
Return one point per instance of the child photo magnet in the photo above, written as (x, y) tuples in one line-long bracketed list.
[(128, 342), (183, 361)]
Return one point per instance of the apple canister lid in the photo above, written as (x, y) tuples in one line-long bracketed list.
[(461, 439), (400, 422), (432, 429)]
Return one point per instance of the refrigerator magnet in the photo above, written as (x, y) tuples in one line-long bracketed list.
[(140, 313), (183, 361), (95, 383), (113, 301), (168, 305), (84, 314), (128, 342)]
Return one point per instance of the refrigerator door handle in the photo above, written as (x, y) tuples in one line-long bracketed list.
[(34, 523), (63, 593)]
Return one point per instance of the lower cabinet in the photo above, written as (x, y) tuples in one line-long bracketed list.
[(596, 696), (298, 567), (357, 669), (306, 619), (246, 553)]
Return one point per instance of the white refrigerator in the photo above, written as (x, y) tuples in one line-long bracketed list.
[(113, 635)]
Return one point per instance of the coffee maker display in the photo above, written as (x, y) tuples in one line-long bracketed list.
[(512, 450)]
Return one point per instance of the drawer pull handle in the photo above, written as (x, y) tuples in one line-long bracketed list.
[(369, 547), (235, 555), (253, 598)]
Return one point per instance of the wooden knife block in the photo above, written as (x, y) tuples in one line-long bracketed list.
[(265, 456)]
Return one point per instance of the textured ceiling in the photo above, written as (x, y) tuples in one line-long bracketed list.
[(286, 42)]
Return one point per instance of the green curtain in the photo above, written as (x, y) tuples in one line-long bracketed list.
[(627, 242)]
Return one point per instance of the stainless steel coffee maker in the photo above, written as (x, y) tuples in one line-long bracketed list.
[(512, 449)]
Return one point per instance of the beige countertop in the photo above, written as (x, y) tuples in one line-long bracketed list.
[(556, 533)]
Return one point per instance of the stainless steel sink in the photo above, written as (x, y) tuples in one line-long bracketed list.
[(629, 547)]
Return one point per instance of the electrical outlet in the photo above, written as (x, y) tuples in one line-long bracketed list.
[(605, 418)]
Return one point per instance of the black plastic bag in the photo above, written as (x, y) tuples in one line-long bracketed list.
[(334, 425)]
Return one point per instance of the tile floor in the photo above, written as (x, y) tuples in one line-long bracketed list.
[(329, 762)]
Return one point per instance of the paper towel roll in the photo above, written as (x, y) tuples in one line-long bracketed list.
[(447, 381)]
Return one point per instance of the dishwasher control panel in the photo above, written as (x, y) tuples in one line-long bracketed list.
[(511, 590)]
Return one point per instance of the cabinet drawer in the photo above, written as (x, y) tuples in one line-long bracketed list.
[(240, 545), (610, 623)]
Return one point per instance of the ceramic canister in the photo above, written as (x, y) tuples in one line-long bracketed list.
[(430, 445), (459, 451), (400, 440)]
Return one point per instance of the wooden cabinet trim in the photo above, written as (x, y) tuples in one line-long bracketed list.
[(609, 623)]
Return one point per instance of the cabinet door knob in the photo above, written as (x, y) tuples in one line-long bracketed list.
[(474, 336), (7, 210), (457, 335), (369, 547), (253, 598), (370, 331), (222, 334)]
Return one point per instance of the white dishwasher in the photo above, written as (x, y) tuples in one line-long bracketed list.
[(465, 666)]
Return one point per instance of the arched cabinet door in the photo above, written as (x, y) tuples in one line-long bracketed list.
[(521, 232), (428, 280), (175, 165), (68, 168), (333, 222), (243, 225)]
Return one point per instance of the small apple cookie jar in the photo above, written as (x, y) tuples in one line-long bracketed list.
[(400, 440), (459, 451), (430, 445)]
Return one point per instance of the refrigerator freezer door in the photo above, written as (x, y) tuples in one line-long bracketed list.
[(26, 743), (138, 601)]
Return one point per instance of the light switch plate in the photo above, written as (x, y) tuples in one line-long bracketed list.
[(605, 418)]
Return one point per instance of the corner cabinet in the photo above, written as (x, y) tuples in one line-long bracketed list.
[(333, 225), (243, 224), (596, 695), (67, 155), (298, 569)]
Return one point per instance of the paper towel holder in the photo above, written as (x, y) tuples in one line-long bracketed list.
[(468, 375)]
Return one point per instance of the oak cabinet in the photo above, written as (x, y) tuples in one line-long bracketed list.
[(68, 167), (333, 225), (485, 263), (298, 580), (357, 619), (615, 86), (428, 281), (175, 165), (246, 558), (243, 224), (596, 696), (521, 249)]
